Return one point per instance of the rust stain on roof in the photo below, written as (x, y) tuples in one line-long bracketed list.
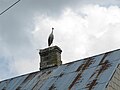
[(91, 84), (103, 65), (86, 63)]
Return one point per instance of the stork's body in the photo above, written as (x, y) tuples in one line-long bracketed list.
[(51, 37)]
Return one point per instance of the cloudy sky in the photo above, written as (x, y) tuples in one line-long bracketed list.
[(82, 28)]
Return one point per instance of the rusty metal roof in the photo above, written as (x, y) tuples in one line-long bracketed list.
[(91, 73)]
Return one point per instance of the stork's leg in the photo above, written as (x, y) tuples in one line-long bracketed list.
[(52, 44)]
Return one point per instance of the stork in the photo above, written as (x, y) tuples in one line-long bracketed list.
[(51, 37)]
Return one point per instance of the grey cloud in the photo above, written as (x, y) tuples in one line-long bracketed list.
[(6, 67)]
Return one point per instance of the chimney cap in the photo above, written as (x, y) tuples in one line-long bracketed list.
[(50, 49)]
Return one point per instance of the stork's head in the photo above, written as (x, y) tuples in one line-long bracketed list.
[(52, 28)]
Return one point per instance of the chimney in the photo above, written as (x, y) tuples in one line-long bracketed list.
[(50, 57)]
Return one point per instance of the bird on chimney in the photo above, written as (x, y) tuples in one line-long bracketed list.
[(51, 37)]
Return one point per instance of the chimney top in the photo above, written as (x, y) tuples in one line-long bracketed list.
[(50, 57)]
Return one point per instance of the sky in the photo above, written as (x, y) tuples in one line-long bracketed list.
[(83, 28)]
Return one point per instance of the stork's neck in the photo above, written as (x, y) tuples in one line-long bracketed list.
[(52, 31)]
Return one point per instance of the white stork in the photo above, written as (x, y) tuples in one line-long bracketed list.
[(51, 37)]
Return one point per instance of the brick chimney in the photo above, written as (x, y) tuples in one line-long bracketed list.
[(50, 57)]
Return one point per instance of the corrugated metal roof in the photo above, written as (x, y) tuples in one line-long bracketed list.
[(91, 73)]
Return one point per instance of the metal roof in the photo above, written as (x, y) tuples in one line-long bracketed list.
[(92, 73)]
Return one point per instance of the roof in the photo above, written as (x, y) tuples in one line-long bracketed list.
[(85, 74)]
